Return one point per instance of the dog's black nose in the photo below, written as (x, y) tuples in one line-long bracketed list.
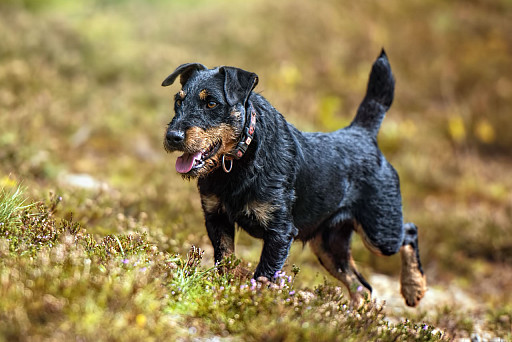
[(175, 137)]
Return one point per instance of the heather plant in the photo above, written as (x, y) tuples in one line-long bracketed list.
[(60, 283)]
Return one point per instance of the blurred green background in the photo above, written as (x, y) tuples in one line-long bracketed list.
[(82, 113)]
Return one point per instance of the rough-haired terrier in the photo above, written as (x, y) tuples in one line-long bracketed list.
[(280, 184)]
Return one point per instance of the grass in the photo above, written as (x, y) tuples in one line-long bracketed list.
[(82, 117), (57, 282), (11, 201)]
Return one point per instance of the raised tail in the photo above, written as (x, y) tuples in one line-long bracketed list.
[(379, 96)]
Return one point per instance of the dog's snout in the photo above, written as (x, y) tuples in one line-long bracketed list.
[(175, 137)]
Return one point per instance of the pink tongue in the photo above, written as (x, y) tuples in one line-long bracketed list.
[(185, 162)]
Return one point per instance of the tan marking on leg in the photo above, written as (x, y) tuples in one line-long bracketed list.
[(358, 292), (227, 245), (413, 284), (211, 203), (366, 240), (203, 94), (262, 211)]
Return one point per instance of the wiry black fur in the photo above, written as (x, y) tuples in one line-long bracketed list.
[(315, 182)]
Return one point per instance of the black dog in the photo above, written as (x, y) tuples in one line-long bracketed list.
[(280, 185)]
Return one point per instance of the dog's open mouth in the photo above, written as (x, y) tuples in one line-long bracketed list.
[(194, 161)]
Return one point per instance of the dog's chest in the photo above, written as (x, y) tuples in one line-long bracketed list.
[(251, 215)]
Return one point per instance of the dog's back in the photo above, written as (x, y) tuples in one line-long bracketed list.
[(344, 174)]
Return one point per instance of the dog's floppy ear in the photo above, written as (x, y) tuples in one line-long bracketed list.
[(238, 84), (185, 70)]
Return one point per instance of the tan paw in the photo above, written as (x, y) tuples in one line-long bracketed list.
[(413, 284), (413, 292)]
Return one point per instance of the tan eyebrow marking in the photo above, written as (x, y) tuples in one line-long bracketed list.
[(182, 94), (203, 94)]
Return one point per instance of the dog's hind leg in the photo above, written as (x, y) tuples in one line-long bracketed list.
[(332, 247), (413, 283)]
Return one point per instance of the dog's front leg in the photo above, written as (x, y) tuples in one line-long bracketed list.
[(222, 235), (276, 245), (220, 230)]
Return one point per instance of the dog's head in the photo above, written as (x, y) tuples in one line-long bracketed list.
[(209, 115)]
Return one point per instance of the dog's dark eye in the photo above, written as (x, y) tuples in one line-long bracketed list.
[(211, 104)]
